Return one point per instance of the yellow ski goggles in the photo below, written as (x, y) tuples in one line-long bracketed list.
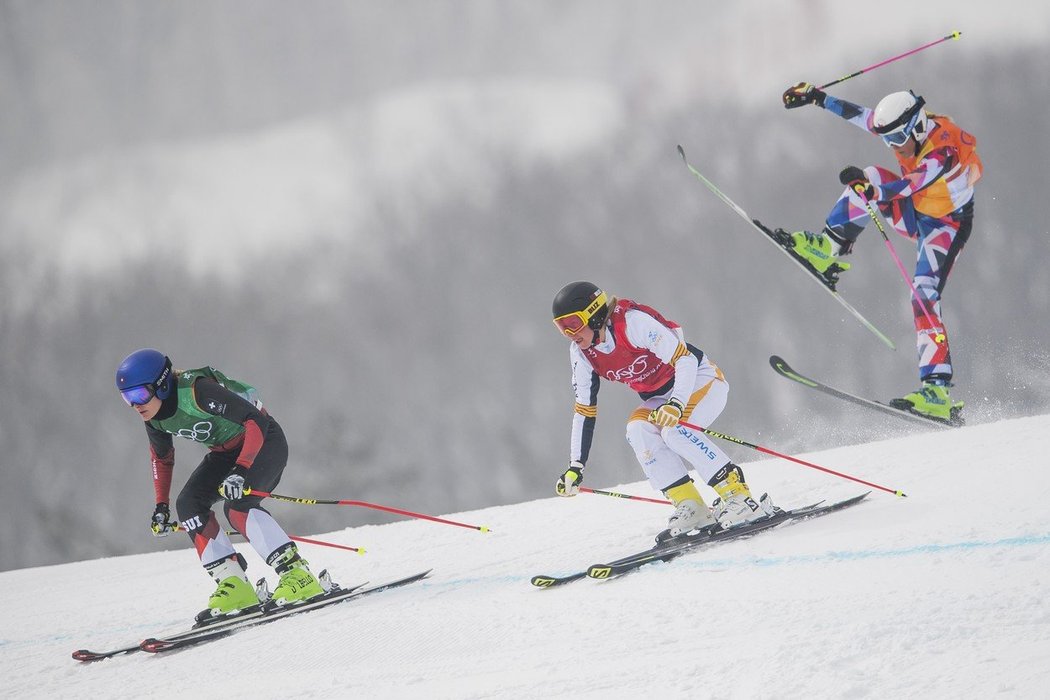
[(572, 323)]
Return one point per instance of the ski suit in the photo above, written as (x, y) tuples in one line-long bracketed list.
[(931, 202), (648, 353), (223, 415)]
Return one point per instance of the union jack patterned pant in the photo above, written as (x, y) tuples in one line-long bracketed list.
[(939, 242)]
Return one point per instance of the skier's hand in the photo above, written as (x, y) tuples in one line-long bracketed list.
[(854, 178), (569, 482), (668, 415), (232, 488), (161, 522), (803, 94)]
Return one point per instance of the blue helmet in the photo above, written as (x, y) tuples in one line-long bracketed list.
[(144, 374)]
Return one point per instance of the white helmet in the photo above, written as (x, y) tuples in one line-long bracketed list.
[(899, 116)]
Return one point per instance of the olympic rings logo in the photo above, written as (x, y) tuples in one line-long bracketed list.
[(198, 433)]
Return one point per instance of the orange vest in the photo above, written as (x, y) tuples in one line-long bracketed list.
[(955, 186)]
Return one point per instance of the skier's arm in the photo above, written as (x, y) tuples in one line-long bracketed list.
[(857, 115), (162, 460), (808, 94), (585, 384), (219, 401), (935, 165)]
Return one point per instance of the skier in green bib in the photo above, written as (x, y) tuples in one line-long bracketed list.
[(246, 450)]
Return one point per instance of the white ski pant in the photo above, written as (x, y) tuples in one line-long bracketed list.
[(666, 453)]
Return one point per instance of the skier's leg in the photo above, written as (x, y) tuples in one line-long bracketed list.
[(939, 243), (843, 225), (708, 400), (233, 591), (266, 536)]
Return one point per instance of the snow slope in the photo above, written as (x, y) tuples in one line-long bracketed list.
[(943, 594)]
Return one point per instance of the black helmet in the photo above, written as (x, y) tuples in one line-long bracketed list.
[(580, 304)]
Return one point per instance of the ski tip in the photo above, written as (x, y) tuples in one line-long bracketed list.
[(681, 151), (542, 581), (900, 494)]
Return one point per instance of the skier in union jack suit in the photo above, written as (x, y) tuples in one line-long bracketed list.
[(623, 341), (930, 201)]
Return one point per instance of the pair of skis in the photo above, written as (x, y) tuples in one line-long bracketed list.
[(779, 365), (259, 615), (673, 548)]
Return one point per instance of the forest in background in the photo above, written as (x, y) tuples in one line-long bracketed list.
[(414, 363)]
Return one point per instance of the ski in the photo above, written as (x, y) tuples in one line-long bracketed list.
[(673, 548), (545, 581), (784, 370), (208, 634), (256, 615), (678, 546), (771, 236), (214, 625)]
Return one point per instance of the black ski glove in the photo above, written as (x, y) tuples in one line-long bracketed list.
[(856, 180), (161, 522), (803, 94)]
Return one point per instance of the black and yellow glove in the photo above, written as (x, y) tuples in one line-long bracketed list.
[(854, 178), (668, 415), (161, 522), (569, 482), (803, 94)]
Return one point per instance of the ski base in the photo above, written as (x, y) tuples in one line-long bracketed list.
[(781, 367)]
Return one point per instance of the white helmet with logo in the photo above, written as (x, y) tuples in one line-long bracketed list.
[(899, 116)]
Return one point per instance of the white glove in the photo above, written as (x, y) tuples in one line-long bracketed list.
[(232, 488), (668, 415), (569, 482)]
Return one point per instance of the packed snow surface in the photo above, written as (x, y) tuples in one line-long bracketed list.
[(943, 594)]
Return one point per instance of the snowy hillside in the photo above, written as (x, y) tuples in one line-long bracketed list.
[(943, 594)]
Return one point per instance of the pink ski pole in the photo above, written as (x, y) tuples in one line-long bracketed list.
[(953, 35), (938, 337)]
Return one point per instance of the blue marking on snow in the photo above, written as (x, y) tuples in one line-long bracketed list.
[(856, 555)]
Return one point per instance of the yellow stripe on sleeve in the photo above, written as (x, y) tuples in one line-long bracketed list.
[(679, 353), (586, 411)]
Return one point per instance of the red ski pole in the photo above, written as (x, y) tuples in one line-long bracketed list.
[(953, 35), (796, 460), (617, 494), (322, 543), (361, 504)]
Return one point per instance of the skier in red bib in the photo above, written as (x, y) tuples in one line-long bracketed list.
[(623, 341)]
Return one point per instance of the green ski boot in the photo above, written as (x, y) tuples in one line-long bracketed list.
[(818, 251), (297, 584), (931, 401), (233, 593)]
